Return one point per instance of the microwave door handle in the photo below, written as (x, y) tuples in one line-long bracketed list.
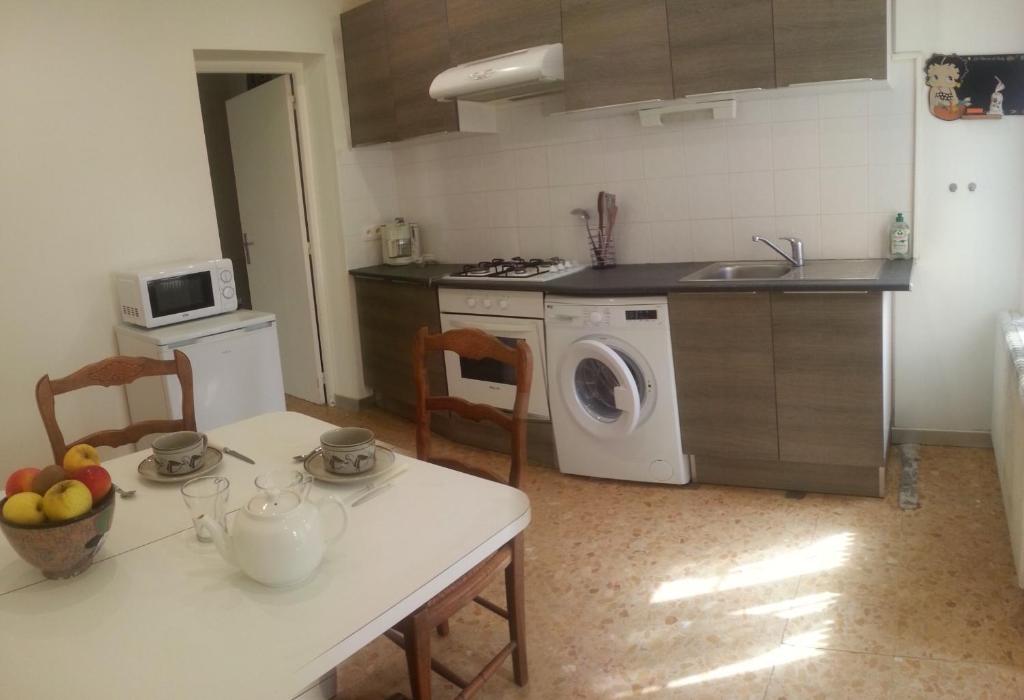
[(494, 327)]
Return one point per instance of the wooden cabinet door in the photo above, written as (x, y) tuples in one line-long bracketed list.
[(819, 40), (483, 28), (419, 51), (390, 313), (828, 377), (615, 52), (721, 45), (371, 105), (722, 350)]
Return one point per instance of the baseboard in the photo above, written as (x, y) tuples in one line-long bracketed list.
[(943, 438), (347, 404)]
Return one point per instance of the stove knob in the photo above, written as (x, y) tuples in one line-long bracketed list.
[(503, 303), (487, 303), (471, 302)]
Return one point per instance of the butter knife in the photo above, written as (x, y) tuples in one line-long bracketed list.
[(238, 455)]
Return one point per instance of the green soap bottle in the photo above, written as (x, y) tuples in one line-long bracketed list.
[(899, 239)]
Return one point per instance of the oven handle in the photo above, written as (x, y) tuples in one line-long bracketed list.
[(493, 327)]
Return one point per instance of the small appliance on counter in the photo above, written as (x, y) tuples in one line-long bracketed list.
[(400, 242), (160, 295)]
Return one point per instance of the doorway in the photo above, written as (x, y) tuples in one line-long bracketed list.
[(256, 172)]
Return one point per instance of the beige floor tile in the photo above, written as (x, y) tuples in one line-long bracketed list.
[(916, 678), (833, 675)]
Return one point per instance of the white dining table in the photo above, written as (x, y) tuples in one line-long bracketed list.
[(161, 615)]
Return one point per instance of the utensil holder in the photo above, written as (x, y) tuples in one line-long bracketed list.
[(602, 249)]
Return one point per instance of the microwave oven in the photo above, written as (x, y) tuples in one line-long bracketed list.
[(183, 291)]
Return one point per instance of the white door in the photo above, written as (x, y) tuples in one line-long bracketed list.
[(270, 200), (601, 390)]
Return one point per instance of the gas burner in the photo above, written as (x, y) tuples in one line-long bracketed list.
[(519, 268)]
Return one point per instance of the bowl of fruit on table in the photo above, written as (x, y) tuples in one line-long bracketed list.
[(56, 518)]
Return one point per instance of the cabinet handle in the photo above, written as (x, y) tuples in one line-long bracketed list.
[(723, 92), (833, 291), (824, 83)]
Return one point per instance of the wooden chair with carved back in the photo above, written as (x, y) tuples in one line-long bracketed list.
[(415, 631), (116, 371)]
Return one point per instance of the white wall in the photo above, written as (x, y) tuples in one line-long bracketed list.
[(968, 246), (104, 167), (833, 169)]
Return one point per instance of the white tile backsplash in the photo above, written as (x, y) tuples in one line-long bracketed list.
[(832, 169)]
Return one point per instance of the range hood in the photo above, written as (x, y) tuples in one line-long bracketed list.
[(517, 74)]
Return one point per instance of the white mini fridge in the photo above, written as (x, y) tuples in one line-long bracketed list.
[(236, 368)]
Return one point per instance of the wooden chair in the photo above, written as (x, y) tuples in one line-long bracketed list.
[(116, 371), (414, 632)]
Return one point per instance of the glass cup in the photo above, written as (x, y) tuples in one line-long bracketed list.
[(207, 498)]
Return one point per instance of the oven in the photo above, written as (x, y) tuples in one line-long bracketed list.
[(510, 316)]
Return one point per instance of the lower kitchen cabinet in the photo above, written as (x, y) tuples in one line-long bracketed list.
[(390, 313), (722, 352), (786, 390)]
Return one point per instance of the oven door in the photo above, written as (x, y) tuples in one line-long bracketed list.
[(491, 382)]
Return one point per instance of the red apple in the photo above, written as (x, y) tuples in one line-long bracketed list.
[(95, 478), (20, 480)]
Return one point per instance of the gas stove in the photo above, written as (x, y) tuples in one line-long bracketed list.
[(532, 270)]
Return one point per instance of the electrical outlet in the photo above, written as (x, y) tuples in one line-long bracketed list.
[(371, 233)]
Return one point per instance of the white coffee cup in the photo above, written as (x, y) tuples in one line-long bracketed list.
[(179, 453), (348, 450)]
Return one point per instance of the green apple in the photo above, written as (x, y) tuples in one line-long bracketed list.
[(25, 508), (66, 500)]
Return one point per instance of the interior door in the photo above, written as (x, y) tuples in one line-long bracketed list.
[(265, 150)]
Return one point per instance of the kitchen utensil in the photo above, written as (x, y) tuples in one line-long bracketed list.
[(122, 492), (585, 215), (371, 494), (280, 536), (206, 498), (237, 455), (303, 458), (348, 450), (149, 471), (179, 453), (385, 460), (376, 485)]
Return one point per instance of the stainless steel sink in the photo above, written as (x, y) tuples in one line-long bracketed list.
[(740, 271), (812, 270)]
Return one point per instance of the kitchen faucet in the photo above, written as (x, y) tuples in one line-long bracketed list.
[(797, 245)]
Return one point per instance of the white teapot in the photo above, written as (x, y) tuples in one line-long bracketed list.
[(280, 536)]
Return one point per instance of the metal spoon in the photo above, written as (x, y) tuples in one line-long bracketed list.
[(303, 458), (122, 493)]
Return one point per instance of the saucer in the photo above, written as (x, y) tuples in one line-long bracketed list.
[(385, 460), (148, 471)]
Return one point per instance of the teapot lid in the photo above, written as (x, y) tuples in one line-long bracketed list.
[(271, 504)]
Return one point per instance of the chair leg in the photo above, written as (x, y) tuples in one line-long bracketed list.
[(516, 602), (417, 656), (443, 629)]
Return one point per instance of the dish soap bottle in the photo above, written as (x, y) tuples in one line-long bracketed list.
[(899, 239)]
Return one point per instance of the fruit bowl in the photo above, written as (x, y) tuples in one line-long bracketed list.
[(62, 549)]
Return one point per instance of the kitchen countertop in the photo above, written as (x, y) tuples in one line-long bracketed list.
[(647, 279)]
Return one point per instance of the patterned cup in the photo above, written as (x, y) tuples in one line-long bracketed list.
[(348, 450), (179, 453)]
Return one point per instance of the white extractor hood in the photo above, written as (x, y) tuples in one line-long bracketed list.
[(534, 71)]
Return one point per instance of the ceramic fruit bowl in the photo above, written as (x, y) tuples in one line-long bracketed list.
[(62, 549)]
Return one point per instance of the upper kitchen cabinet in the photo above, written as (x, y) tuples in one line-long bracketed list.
[(721, 45), (825, 40), (482, 28), (615, 52), (419, 51), (371, 105)]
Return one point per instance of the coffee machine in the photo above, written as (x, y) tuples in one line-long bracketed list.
[(400, 242)]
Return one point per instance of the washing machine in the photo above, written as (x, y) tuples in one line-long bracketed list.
[(611, 386)]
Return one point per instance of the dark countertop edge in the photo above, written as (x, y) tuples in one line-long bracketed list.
[(648, 279)]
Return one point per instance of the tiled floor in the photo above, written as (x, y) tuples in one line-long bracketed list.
[(649, 591)]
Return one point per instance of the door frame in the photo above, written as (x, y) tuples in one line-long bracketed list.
[(315, 219)]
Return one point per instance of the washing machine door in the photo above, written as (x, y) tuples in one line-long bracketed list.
[(599, 389)]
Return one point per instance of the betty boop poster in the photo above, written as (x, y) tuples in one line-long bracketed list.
[(975, 87)]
